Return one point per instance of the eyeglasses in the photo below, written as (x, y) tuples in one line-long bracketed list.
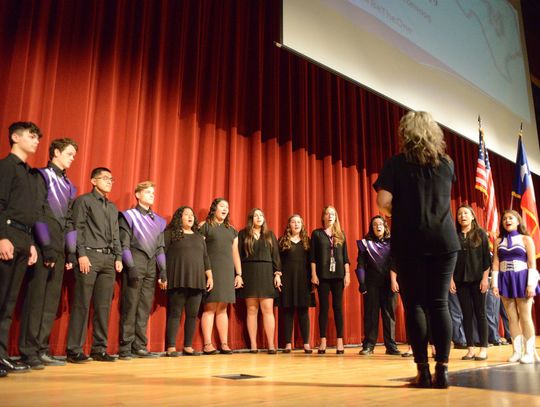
[(106, 179)]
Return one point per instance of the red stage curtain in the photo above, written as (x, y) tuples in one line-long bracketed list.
[(195, 96)]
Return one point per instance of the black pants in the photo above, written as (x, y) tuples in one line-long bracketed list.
[(137, 298), (425, 281), (178, 298), (334, 286), (40, 307), (383, 299), (11, 278), (473, 304), (288, 322), (97, 285)]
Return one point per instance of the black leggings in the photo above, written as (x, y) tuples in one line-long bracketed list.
[(334, 286), (179, 297), (473, 303), (424, 283), (288, 322)]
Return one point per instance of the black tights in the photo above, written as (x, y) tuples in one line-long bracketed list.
[(179, 297), (288, 322), (424, 283), (334, 286)]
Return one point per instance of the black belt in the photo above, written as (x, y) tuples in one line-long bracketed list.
[(20, 226), (105, 250)]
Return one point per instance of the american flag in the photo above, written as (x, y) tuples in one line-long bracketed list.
[(484, 183), (523, 189)]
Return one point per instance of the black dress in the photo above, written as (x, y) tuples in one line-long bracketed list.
[(187, 262), (259, 267), (219, 240), (296, 290)]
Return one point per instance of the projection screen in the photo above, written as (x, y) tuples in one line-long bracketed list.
[(454, 58)]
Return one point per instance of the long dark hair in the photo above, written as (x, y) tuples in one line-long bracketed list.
[(250, 238), (522, 229), (175, 225), (371, 236), (285, 240), (475, 234), (211, 217)]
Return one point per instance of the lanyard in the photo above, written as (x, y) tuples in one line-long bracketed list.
[(331, 243)]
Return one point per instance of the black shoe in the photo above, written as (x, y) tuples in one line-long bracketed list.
[(321, 351), (34, 363), (394, 352), (172, 354), (3, 372), (480, 358), (440, 380), (194, 353), (12, 366), (125, 356), (467, 357), (254, 351), (366, 351), (458, 345), (143, 353), (272, 352), (423, 376), (102, 357), (225, 351), (77, 358), (340, 351), (49, 360), (308, 351), (406, 354), (287, 350)]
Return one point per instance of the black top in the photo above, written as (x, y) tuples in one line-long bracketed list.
[(96, 220), (261, 252), (319, 253), (19, 195), (187, 261), (472, 261), (421, 217)]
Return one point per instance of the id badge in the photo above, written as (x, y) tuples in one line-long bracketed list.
[(332, 265)]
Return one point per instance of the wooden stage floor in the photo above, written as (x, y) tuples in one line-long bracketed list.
[(292, 379)]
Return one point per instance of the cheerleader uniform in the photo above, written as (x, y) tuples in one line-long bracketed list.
[(513, 273)]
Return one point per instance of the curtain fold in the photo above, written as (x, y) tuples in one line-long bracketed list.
[(195, 96)]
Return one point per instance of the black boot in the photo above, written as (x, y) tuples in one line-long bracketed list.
[(440, 380), (423, 377)]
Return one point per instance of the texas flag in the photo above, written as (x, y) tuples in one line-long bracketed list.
[(523, 189)]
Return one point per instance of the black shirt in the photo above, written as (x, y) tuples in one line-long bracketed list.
[(421, 217), (19, 196), (96, 220), (472, 260), (319, 253), (261, 250)]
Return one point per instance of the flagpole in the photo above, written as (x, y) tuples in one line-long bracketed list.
[(520, 134)]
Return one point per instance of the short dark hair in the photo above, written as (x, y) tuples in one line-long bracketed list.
[(20, 126), (98, 170), (61, 144)]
